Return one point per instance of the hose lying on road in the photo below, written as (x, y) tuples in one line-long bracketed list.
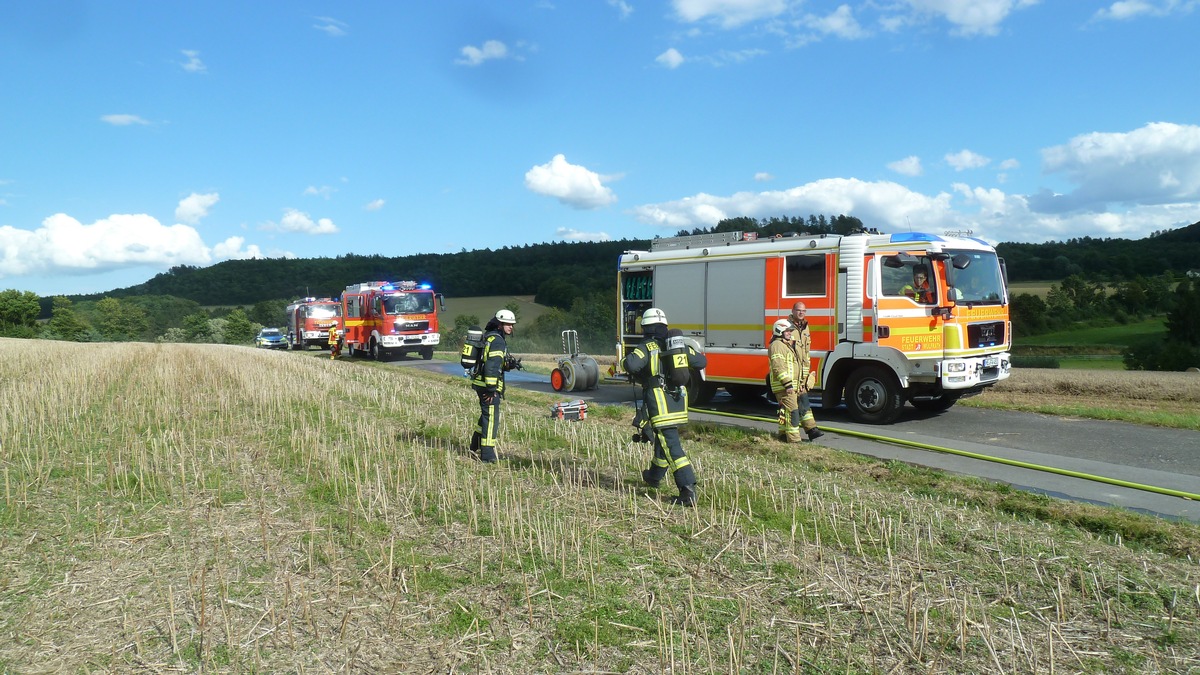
[(975, 455)]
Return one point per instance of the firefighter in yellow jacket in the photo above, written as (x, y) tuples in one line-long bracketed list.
[(661, 364), (803, 350), (785, 378), (488, 382), (335, 342)]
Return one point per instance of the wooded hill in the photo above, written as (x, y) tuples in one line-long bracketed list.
[(558, 272)]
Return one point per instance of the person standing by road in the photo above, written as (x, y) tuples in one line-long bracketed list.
[(488, 383), (784, 374), (655, 364), (802, 346)]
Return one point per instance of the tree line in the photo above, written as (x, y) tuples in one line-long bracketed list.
[(1100, 280)]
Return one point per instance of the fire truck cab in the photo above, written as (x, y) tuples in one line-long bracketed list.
[(880, 337), (383, 319)]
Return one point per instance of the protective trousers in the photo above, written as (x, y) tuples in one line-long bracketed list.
[(666, 440), (790, 415), (489, 424), (805, 414)]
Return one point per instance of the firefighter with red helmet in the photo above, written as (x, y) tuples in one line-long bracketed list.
[(488, 382), (661, 365)]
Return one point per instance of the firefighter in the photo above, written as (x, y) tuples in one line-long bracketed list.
[(785, 371), (488, 382), (919, 289), (335, 342), (664, 402), (804, 375)]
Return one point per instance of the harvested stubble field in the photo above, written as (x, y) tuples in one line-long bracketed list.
[(221, 509)]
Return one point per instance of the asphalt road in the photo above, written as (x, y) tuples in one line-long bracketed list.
[(1127, 453)]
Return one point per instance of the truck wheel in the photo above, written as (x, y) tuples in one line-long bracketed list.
[(374, 351), (939, 404), (873, 395), (427, 353)]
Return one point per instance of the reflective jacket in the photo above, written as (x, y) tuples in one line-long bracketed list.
[(490, 375), (665, 406), (785, 364)]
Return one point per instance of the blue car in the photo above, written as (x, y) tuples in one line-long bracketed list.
[(271, 338)]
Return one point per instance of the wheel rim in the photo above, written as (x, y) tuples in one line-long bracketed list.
[(870, 395), (556, 380)]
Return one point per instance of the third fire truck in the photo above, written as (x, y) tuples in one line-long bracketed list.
[(309, 320), (876, 343), (383, 318)]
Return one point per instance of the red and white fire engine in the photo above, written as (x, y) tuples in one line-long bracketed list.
[(309, 321), (383, 318)]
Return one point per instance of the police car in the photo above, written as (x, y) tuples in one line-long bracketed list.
[(270, 338)]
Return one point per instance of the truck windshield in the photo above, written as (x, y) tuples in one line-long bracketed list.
[(980, 283), (408, 303), (324, 311)]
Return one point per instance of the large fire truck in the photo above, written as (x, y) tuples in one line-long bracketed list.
[(875, 342), (309, 320), (383, 319)]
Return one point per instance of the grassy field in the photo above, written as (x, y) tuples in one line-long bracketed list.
[(484, 308), (222, 509), (1106, 336)]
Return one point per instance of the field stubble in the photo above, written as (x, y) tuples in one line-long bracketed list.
[(201, 507)]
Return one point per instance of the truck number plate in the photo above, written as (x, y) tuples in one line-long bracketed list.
[(991, 362)]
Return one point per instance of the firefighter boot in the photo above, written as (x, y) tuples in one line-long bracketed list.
[(686, 496), (475, 438), (649, 479), (814, 433)]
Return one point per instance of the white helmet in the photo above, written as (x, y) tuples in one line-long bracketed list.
[(654, 315), (782, 326), (506, 316)]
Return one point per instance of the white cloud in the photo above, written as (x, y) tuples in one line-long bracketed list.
[(64, 245), (193, 64), (575, 235), (331, 26), (623, 8), (324, 191), (840, 23), (671, 58), (728, 13), (1132, 9), (1156, 164), (195, 206), (473, 56), (297, 221), (970, 17), (374, 205), (763, 176), (909, 166), (965, 159), (572, 185), (123, 120), (231, 249)]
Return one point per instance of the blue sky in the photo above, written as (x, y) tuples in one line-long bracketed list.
[(136, 136)]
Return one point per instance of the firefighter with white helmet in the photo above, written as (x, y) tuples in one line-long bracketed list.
[(785, 378), (661, 364), (805, 378), (488, 382)]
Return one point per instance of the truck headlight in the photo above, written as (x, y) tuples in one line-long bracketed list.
[(956, 367)]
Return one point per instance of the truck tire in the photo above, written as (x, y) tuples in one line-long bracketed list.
[(374, 351), (427, 353), (873, 395)]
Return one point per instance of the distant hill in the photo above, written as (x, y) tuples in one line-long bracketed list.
[(568, 269)]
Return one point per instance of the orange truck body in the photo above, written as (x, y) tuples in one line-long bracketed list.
[(874, 345), (309, 321), (381, 319)]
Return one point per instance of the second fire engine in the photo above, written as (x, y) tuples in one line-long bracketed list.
[(383, 319)]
